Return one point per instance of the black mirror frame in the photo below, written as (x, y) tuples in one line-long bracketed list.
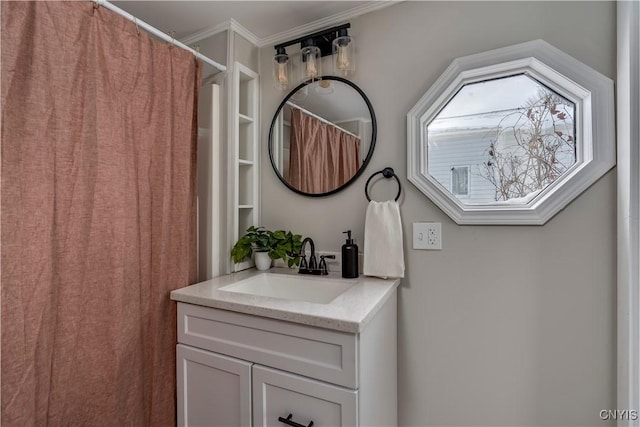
[(374, 130)]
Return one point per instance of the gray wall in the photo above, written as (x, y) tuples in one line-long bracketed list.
[(215, 47), (245, 52), (506, 325)]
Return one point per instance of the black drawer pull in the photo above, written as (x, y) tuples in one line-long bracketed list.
[(293, 423)]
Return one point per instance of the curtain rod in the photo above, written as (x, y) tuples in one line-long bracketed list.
[(322, 119), (158, 33)]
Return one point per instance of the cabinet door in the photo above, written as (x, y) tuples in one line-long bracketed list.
[(277, 394), (213, 390)]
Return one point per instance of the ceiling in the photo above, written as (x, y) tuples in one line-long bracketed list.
[(265, 19)]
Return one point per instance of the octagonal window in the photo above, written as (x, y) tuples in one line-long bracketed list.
[(511, 136), (501, 140)]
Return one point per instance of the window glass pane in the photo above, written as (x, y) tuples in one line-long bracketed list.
[(516, 135)]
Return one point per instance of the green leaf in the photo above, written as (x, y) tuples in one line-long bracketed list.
[(280, 244)]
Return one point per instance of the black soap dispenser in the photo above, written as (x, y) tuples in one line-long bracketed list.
[(349, 258)]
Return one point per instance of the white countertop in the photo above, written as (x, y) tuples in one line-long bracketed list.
[(349, 312)]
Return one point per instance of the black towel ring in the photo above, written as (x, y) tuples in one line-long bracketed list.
[(387, 173)]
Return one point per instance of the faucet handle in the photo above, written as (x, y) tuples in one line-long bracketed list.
[(303, 262), (323, 264)]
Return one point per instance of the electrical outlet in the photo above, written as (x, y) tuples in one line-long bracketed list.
[(427, 235)]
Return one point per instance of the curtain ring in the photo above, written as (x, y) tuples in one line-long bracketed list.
[(172, 34), (96, 5), (135, 21), (196, 48)]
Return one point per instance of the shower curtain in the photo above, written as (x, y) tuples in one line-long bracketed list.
[(98, 215), (322, 157)]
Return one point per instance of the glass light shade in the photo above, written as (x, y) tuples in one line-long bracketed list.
[(311, 63), (281, 71), (344, 60)]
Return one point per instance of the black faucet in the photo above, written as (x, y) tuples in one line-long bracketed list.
[(312, 266)]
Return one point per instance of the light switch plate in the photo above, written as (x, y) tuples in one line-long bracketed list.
[(427, 235)]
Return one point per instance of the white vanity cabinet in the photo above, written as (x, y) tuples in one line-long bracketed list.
[(212, 389), (237, 369)]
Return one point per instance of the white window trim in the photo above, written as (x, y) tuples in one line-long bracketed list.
[(589, 90)]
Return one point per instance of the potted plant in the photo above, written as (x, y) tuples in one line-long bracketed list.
[(267, 245)]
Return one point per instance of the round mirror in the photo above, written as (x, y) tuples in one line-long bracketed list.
[(322, 136)]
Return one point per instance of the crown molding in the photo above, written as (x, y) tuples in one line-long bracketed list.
[(231, 24), (329, 21), (293, 33), (207, 32), (238, 28)]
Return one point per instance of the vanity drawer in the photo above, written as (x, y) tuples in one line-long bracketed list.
[(278, 395), (319, 353)]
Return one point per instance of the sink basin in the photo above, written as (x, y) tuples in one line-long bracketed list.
[(296, 288)]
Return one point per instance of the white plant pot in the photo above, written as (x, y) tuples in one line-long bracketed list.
[(262, 260)]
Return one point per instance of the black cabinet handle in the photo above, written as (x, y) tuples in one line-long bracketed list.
[(288, 421)]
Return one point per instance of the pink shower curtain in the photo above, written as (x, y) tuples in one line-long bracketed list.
[(98, 219), (322, 157)]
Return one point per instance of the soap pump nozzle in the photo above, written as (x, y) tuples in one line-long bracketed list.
[(349, 239)]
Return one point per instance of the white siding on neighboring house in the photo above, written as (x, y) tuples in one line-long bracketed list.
[(456, 142), (457, 149)]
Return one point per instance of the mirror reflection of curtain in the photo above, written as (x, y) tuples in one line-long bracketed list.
[(323, 157)]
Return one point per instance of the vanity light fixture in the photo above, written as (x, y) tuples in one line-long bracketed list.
[(281, 69), (332, 41), (311, 61), (343, 54)]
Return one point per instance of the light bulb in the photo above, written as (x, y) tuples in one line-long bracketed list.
[(312, 64), (342, 61), (281, 69), (282, 77), (343, 55), (311, 67)]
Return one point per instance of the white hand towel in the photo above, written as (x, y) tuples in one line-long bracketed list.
[(383, 253)]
